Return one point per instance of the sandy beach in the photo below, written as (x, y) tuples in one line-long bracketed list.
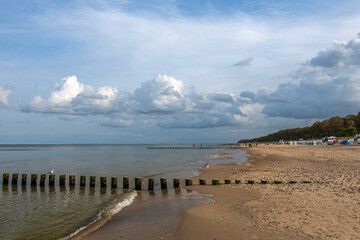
[(326, 208)]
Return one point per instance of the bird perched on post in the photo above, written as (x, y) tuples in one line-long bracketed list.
[(51, 171)]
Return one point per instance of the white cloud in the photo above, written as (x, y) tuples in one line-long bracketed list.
[(325, 86), (4, 94), (162, 100), (74, 98), (162, 94)]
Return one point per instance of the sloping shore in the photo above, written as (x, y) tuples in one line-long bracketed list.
[(326, 208)]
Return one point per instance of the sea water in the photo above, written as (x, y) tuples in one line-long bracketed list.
[(28, 212)]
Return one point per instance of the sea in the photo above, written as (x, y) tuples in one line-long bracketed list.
[(34, 212)]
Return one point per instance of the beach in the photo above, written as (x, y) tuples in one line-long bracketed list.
[(322, 202), (326, 208)]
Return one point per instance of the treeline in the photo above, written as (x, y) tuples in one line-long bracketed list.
[(336, 126)]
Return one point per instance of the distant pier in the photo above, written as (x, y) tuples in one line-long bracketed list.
[(183, 147)]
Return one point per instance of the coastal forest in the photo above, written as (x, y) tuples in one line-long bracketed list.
[(347, 126)]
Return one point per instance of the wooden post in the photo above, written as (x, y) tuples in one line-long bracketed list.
[(163, 183), (151, 184), (62, 180), (277, 182), (113, 182), (237, 181), (5, 179), (15, 177), (23, 179), (215, 182), (264, 182), (34, 178), (82, 181), (293, 182), (227, 181), (103, 182), (71, 180), (51, 180), (188, 182), (125, 182), (92, 181), (42, 179), (202, 181), (176, 182), (138, 182), (250, 181)]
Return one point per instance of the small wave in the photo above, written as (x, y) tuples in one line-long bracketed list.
[(104, 215)]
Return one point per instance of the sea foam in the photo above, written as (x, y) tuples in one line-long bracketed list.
[(105, 215)]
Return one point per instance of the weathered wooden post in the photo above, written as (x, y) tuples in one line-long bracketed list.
[(250, 181), (42, 180), (138, 181), (227, 181), (237, 181), (5, 179), (15, 177), (163, 183), (23, 179), (176, 182), (103, 182), (51, 180), (113, 182), (151, 184), (92, 181), (82, 181), (34, 178), (215, 182), (202, 181), (188, 182), (62, 180), (72, 180), (126, 182)]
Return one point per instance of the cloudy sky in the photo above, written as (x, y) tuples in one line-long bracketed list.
[(207, 71)]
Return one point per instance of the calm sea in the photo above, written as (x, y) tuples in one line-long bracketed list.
[(61, 212)]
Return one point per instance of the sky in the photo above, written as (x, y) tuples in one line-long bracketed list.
[(207, 71)]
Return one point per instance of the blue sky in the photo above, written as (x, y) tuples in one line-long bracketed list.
[(173, 71)]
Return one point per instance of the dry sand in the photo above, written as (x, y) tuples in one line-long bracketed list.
[(327, 208)]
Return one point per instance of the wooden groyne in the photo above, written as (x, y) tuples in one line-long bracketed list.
[(139, 183)]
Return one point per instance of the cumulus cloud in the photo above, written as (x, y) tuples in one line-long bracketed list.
[(4, 94), (243, 63), (74, 98), (162, 100), (162, 94), (327, 85)]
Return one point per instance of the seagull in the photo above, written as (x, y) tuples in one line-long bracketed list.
[(207, 165), (51, 171)]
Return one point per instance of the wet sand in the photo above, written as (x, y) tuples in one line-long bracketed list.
[(326, 208), (153, 215)]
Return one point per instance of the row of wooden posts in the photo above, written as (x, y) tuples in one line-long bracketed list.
[(114, 182)]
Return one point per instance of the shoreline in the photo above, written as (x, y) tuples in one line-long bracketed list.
[(285, 211), (163, 207)]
